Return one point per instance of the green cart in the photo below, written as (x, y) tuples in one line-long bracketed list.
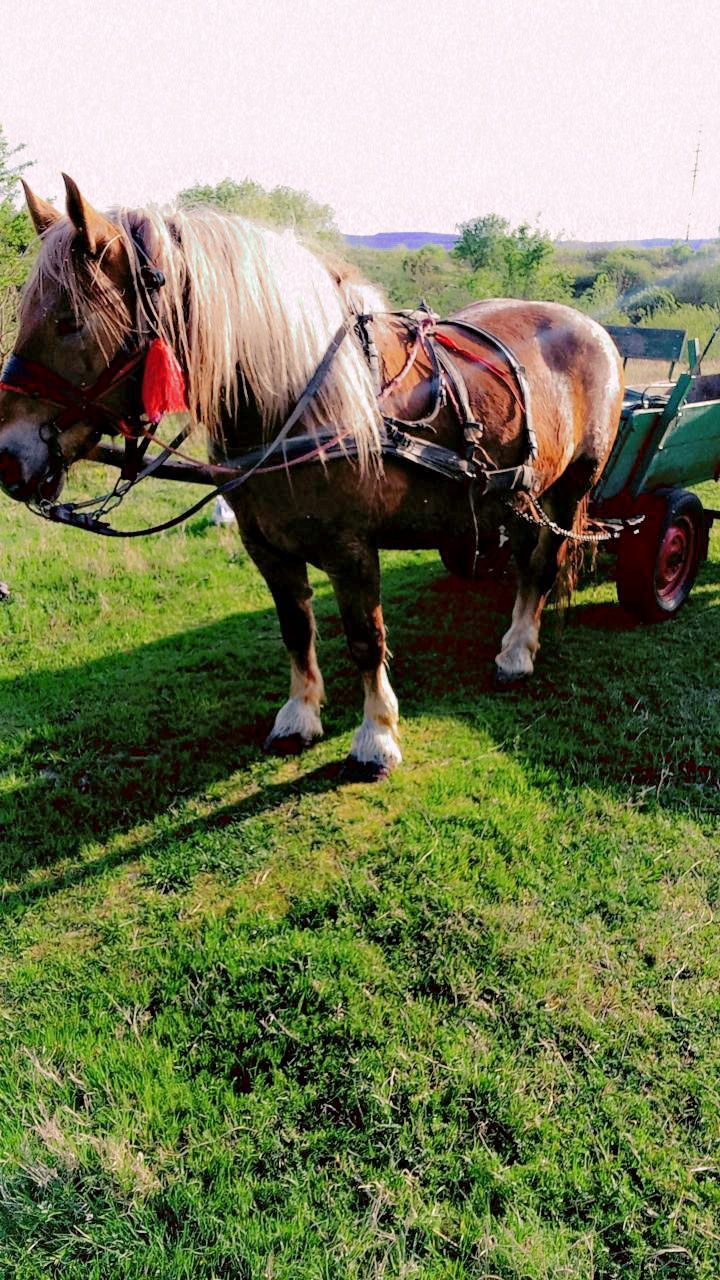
[(668, 439)]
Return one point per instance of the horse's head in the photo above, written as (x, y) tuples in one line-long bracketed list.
[(75, 318)]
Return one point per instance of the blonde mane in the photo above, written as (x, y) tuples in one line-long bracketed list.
[(246, 309)]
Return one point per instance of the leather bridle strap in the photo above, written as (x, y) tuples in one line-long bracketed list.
[(69, 513), (28, 378)]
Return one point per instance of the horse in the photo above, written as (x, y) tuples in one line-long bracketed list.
[(249, 313)]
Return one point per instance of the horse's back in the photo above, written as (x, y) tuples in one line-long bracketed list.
[(573, 366), (560, 334)]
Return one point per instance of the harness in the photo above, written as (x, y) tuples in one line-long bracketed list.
[(428, 334), (447, 385)]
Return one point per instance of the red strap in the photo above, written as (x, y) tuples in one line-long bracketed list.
[(27, 377), (37, 380), (495, 369)]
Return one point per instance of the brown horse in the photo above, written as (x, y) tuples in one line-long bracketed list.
[(249, 313)]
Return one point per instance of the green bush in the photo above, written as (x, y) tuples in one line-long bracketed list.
[(699, 322), (649, 301)]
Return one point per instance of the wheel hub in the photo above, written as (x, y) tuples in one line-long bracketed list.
[(675, 559)]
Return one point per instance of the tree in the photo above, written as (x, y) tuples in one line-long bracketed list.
[(627, 268), (513, 262), (10, 174), (601, 301), (16, 232), (481, 241), (644, 304), (524, 252), (424, 267), (280, 206), (680, 252), (16, 236)]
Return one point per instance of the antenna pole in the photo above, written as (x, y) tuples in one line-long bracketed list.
[(694, 180)]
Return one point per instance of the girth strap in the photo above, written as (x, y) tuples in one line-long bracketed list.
[(446, 462)]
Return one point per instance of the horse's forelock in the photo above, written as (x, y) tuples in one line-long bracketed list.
[(85, 287)]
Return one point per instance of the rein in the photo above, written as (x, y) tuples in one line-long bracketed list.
[(77, 404), (27, 377)]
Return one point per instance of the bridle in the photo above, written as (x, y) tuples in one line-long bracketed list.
[(75, 404), (87, 403)]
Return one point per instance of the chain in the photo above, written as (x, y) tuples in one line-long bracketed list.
[(537, 516)]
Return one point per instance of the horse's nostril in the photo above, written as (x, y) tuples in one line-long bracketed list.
[(10, 470)]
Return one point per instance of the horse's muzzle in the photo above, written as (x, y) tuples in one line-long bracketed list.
[(21, 487)]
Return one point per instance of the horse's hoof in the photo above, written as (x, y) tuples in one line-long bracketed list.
[(291, 744), (504, 680), (363, 770)]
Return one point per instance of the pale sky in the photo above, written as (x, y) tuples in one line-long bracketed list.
[(401, 114)]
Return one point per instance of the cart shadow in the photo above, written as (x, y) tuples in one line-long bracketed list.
[(117, 742)]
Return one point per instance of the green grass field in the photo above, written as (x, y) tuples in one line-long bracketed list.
[(260, 1025)]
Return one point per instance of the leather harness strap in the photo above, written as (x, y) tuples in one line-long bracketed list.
[(524, 400), (447, 383)]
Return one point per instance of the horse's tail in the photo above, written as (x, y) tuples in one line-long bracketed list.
[(575, 556)]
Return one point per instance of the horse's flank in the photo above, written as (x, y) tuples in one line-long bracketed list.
[(247, 309)]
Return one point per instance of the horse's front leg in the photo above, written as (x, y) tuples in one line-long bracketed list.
[(374, 752), (297, 723)]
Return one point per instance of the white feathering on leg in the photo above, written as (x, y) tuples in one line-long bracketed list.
[(375, 741), (301, 713)]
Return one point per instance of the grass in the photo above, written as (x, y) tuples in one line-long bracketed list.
[(257, 1024)]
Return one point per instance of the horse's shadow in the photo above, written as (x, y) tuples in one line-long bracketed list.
[(102, 748)]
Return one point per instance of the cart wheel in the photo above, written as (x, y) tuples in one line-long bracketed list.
[(657, 565), (460, 558)]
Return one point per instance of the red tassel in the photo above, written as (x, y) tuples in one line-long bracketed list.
[(163, 388)]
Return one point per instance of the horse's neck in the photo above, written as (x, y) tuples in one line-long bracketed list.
[(243, 428)]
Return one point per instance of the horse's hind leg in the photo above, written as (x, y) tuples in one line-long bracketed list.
[(297, 723), (536, 557), (356, 580), (539, 553)]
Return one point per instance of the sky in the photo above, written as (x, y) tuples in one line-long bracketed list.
[(400, 114)]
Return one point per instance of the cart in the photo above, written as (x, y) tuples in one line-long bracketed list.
[(668, 439)]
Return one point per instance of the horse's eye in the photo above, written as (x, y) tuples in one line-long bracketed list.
[(68, 325)]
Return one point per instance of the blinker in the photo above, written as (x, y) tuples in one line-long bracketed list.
[(152, 277)]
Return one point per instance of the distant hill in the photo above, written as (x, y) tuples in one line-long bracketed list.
[(401, 239), (417, 239), (657, 242)]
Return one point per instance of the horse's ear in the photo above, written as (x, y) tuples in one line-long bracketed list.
[(41, 212), (95, 230)]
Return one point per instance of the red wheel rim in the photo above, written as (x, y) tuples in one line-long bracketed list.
[(675, 561)]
